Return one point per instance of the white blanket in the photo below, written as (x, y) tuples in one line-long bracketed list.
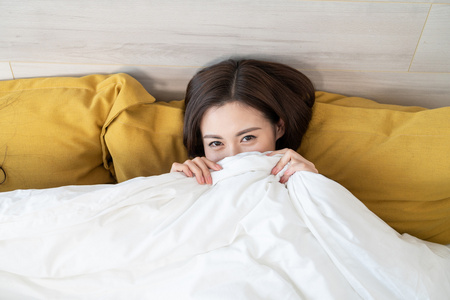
[(245, 237)]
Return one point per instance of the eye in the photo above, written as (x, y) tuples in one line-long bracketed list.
[(215, 144), (248, 138)]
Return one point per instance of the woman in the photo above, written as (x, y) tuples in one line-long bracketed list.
[(242, 106)]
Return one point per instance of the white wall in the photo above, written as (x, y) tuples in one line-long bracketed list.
[(390, 51)]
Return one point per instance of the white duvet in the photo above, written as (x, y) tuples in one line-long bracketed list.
[(245, 237)]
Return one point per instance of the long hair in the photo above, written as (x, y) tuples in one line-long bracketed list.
[(276, 90)]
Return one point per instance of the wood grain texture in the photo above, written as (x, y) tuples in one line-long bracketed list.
[(307, 34), (164, 83), (433, 52), (5, 71), (429, 90), (408, 1), (392, 51)]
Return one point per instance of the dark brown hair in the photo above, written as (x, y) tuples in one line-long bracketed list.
[(277, 90)]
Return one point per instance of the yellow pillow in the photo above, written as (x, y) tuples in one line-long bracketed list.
[(146, 139), (52, 128), (395, 159)]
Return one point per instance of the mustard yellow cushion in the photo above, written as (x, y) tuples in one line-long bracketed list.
[(395, 159), (146, 139), (107, 128), (52, 128)]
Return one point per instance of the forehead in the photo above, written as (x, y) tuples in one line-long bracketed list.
[(232, 116)]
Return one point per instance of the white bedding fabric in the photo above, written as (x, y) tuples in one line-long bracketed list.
[(245, 237)]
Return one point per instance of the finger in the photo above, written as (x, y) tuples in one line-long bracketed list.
[(177, 167), (198, 167), (212, 165), (284, 160), (202, 163), (287, 174), (282, 151), (301, 166), (205, 164), (199, 171)]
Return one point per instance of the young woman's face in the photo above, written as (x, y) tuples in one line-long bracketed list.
[(235, 128)]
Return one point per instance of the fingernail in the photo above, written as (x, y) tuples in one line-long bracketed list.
[(274, 171)]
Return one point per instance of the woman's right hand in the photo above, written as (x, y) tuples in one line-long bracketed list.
[(198, 167)]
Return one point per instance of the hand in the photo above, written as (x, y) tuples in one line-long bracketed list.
[(198, 167), (297, 163)]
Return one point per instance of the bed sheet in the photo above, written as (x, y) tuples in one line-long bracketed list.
[(245, 237)]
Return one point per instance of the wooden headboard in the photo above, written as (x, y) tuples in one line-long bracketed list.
[(391, 51)]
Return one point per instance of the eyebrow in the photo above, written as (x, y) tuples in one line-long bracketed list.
[(212, 136)]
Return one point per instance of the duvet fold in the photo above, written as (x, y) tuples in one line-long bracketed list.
[(247, 236)]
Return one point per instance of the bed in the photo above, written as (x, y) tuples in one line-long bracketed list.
[(88, 209)]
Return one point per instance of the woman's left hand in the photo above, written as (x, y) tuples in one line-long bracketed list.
[(297, 163)]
